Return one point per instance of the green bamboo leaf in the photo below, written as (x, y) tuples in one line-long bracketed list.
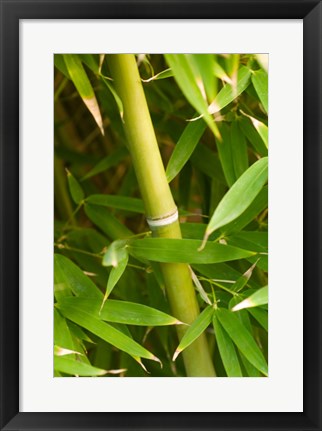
[(194, 230), (261, 316), (204, 65), (75, 189), (227, 350), (262, 60), (195, 330), (115, 274), (189, 84), (84, 87), (184, 148), (127, 313), (70, 279), (228, 93), (238, 150), (262, 130), (161, 75), (131, 313), (115, 253), (74, 367), (262, 261), (250, 369), (242, 315), (77, 332), (61, 351), (252, 135), (260, 82), (225, 153), (106, 222), (60, 64), (119, 202), (239, 196), (242, 338), (258, 298), (249, 240), (62, 335), (243, 280), (220, 73), (116, 97), (183, 251), (222, 273), (256, 207), (91, 62), (199, 287), (108, 162), (85, 319)]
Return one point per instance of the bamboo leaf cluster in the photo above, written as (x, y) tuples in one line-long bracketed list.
[(135, 138)]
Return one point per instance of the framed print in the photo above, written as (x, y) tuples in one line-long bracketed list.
[(226, 96)]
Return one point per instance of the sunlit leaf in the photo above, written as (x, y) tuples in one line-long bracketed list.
[(115, 253), (262, 130), (220, 73), (228, 93), (74, 367), (195, 330), (259, 204), (253, 136), (260, 82), (84, 87), (161, 75), (204, 65), (239, 196), (61, 351), (131, 313), (115, 274), (258, 298), (191, 86), (103, 330), (262, 60)]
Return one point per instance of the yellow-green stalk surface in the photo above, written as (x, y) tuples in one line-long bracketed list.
[(158, 203)]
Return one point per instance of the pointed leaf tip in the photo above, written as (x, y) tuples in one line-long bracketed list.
[(176, 354)]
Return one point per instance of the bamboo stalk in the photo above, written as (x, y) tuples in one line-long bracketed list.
[(158, 203)]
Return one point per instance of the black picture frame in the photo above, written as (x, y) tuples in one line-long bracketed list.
[(11, 12)]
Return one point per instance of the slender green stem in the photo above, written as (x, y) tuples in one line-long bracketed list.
[(158, 203), (62, 199)]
